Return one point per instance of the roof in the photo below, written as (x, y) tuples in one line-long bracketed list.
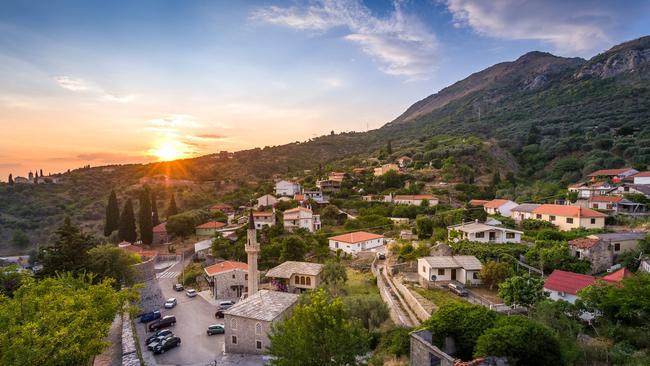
[(211, 225), (202, 245), (526, 207), (619, 275), (568, 282), (288, 268), (356, 237), (496, 203), (642, 174), (297, 209), (605, 199), (404, 158), (160, 228), (262, 214), (413, 197), (264, 305), (584, 243), (221, 206), (299, 197), (643, 188), (608, 172), (468, 262), (225, 266), (477, 227), (478, 202), (630, 235), (567, 211)]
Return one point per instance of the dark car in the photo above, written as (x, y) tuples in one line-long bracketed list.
[(147, 317), (458, 289), (219, 314), (167, 344), (166, 321), (157, 341), (178, 287), (216, 329), (158, 334)]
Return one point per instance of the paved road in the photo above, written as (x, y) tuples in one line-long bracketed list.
[(193, 315)]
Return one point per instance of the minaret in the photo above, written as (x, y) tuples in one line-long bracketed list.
[(252, 249)]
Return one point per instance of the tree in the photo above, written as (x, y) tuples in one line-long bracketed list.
[(11, 180), (424, 226), (112, 214), (58, 320), (628, 303), (334, 275), (155, 219), (41, 170), (493, 273), (108, 261), (319, 332), (144, 217), (389, 147), (392, 179), (69, 251), (293, 249), (330, 215), (172, 209), (370, 309), (524, 290), (126, 230), (19, 239), (11, 278), (496, 178), (180, 225), (522, 341)]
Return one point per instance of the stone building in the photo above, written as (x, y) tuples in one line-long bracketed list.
[(603, 249), (295, 277), (227, 280)]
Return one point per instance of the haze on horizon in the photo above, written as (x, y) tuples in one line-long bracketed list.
[(126, 82)]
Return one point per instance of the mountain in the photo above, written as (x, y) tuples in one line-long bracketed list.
[(548, 120)]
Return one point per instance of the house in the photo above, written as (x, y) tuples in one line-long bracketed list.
[(227, 280), (567, 217), (203, 248), (483, 233), (478, 203), (262, 219), (359, 170), (210, 228), (337, 176), (562, 285), (21, 180), (160, 235), (499, 207), (286, 188), (586, 190), (329, 185), (523, 212), (400, 220), (315, 195), (299, 197), (249, 322), (385, 169), (223, 207), (461, 268), (404, 161), (407, 235), (624, 189), (602, 250), (642, 178), (416, 200), (645, 265), (355, 242), (615, 175), (295, 277), (301, 217), (425, 353), (267, 200), (374, 198)]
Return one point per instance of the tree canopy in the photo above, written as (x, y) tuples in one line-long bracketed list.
[(145, 217), (524, 290), (69, 251), (126, 230), (112, 214)]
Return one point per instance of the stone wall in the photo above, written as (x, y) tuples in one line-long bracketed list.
[(129, 347), (423, 352), (145, 270), (412, 302)]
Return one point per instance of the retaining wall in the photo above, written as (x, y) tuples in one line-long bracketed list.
[(129, 350)]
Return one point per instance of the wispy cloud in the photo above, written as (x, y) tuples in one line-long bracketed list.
[(209, 136), (569, 26), (81, 85), (119, 98), (400, 43), (73, 84)]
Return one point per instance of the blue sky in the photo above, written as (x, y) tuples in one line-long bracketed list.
[(91, 82)]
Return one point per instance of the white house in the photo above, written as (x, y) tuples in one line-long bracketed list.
[(356, 242), (416, 200), (301, 217), (643, 189), (523, 211), (261, 219), (642, 178), (267, 200), (203, 248), (461, 268), (315, 194), (562, 285), (483, 233), (499, 207), (616, 175), (286, 188)]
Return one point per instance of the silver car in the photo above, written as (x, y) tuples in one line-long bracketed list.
[(170, 303)]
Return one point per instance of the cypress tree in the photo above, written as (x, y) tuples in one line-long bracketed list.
[(11, 180), (112, 215), (154, 209), (171, 209), (41, 170), (144, 217), (389, 147), (126, 231)]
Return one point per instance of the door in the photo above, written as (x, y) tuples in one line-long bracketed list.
[(493, 236), (453, 274)]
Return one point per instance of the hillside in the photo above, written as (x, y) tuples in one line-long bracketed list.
[(543, 118)]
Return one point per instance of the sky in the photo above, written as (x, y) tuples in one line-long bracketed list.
[(106, 82)]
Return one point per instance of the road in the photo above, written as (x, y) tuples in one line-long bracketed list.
[(193, 315)]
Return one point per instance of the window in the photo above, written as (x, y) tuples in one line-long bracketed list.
[(233, 324), (538, 216), (424, 269), (610, 206), (551, 218), (233, 276), (258, 344), (308, 281), (297, 280), (480, 235), (569, 220), (593, 221), (258, 329), (510, 235), (577, 254), (595, 205), (617, 247), (441, 271), (234, 339), (246, 276), (302, 280), (475, 275)]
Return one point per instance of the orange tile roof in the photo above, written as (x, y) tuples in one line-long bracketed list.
[(296, 209), (160, 228), (359, 170), (263, 214), (211, 225), (413, 197), (356, 237), (583, 243), (496, 203), (221, 206), (605, 199), (224, 267), (608, 172), (619, 275), (299, 197), (567, 211), (478, 202)]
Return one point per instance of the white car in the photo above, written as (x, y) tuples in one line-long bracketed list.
[(191, 292), (170, 303)]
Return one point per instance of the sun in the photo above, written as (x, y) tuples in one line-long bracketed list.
[(169, 150)]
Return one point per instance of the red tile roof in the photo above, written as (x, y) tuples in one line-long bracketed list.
[(567, 211), (359, 170), (608, 172), (221, 207), (296, 209), (299, 197), (413, 197), (568, 282), (495, 203), (263, 214), (605, 198), (478, 202), (642, 174), (356, 237), (160, 228), (618, 276), (583, 243), (211, 225), (224, 267)]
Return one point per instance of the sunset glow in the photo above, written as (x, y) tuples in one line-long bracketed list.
[(169, 150)]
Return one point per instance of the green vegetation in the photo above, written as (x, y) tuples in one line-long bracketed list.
[(524, 290), (145, 217), (438, 296), (494, 273), (126, 230), (112, 221), (360, 283)]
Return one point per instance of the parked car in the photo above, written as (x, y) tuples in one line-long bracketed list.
[(166, 321), (457, 289), (178, 287), (151, 345), (216, 329), (170, 303), (224, 305), (191, 292), (147, 317), (167, 344), (219, 314), (160, 333)]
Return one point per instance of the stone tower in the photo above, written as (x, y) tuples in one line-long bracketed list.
[(252, 249)]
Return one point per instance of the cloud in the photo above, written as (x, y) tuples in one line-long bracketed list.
[(119, 98), (400, 43), (332, 83), (70, 83), (176, 121), (80, 85), (209, 136), (569, 26)]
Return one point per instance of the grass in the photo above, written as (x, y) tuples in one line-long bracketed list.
[(437, 296), (360, 283)]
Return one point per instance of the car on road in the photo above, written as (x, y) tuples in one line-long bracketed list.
[(170, 303), (458, 289), (147, 317), (158, 334), (151, 345), (166, 321), (166, 344), (216, 329), (225, 305), (178, 287), (191, 292), (219, 314)]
